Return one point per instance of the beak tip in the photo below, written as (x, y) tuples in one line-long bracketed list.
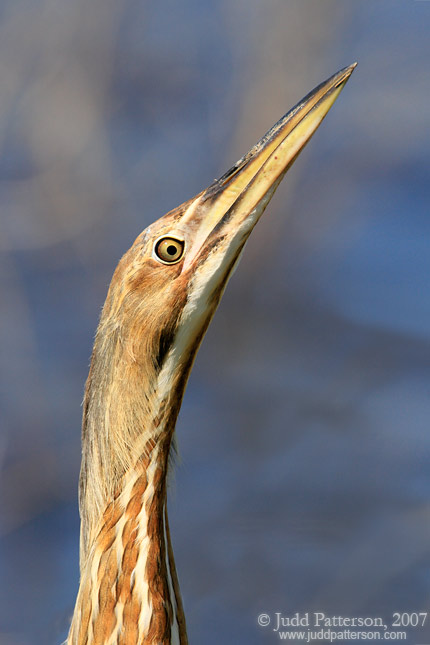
[(343, 75), (348, 70)]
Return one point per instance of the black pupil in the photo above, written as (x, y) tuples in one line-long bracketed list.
[(171, 250)]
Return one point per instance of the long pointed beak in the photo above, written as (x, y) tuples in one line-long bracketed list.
[(232, 205)]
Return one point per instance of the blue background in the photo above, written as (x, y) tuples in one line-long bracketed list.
[(304, 481)]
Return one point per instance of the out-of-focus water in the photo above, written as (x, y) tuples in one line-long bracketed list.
[(304, 478)]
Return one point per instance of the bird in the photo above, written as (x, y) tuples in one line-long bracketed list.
[(159, 304)]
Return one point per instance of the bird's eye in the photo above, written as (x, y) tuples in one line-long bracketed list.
[(169, 250)]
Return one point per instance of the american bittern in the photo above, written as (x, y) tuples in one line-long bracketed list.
[(163, 295)]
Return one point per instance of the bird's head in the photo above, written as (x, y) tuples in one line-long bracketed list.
[(168, 285)]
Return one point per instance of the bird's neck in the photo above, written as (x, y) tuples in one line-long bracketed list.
[(129, 591)]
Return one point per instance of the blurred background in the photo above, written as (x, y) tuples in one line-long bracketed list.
[(304, 482)]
